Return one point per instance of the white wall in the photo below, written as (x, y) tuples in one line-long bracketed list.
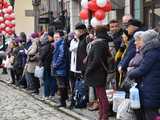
[(23, 23)]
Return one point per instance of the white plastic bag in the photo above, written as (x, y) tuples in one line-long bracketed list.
[(39, 71), (125, 112), (118, 97)]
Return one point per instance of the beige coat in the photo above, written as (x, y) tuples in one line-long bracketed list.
[(30, 66)]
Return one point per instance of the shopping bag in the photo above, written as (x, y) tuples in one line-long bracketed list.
[(39, 71), (125, 112)]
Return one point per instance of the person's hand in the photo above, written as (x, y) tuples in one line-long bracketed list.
[(120, 69)]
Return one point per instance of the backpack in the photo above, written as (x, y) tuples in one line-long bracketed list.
[(21, 58), (80, 98)]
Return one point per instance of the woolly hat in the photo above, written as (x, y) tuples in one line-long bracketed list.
[(34, 35), (80, 26), (51, 33), (149, 35), (135, 23)]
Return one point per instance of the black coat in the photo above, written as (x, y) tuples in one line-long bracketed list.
[(45, 54), (81, 52), (96, 74)]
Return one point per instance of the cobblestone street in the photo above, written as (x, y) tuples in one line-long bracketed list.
[(16, 105)]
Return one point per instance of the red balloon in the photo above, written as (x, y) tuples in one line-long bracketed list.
[(100, 14), (10, 19), (84, 14), (1, 14), (10, 25), (1, 6), (5, 4), (108, 7), (92, 5)]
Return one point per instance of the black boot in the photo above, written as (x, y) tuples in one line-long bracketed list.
[(64, 96)]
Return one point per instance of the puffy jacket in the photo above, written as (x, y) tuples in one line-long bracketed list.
[(149, 71), (59, 61), (45, 54)]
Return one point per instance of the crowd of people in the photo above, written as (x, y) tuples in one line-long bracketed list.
[(103, 57)]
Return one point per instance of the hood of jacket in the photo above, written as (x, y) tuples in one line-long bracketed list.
[(152, 44)]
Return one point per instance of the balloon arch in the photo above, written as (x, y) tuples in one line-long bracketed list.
[(7, 18), (99, 10)]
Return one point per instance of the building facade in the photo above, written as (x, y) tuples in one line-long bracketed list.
[(148, 11), (24, 17)]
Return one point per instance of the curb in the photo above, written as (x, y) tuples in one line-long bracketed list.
[(50, 103)]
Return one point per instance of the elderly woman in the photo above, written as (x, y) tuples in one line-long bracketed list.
[(149, 74)]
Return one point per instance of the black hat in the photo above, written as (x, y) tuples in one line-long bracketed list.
[(135, 23), (80, 26), (51, 33)]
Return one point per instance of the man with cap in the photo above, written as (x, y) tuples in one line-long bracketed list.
[(133, 26), (81, 34)]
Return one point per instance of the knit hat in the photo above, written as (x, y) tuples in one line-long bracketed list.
[(80, 26), (135, 23), (51, 33), (34, 35), (149, 35)]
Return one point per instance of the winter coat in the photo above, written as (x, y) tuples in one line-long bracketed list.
[(32, 52), (73, 49), (129, 54), (96, 74), (149, 71), (81, 53), (135, 61), (45, 55), (59, 62)]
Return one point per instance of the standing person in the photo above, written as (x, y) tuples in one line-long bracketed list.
[(133, 26), (95, 72), (60, 68), (73, 72), (32, 62), (148, 74), (81, 33), (45, 52)]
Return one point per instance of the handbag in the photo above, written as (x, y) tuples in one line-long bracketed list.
[(39, 71)]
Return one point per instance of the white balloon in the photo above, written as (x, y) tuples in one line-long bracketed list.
[(95, 22), (5, 10), (84, 3), (13, 22), (12, 15), (3, 32), (7, 29), (2, 25), (1, 18), (101, 3), (7, 22), (6, 15)]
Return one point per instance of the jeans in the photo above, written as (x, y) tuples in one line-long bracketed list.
[(49, 84), (103, 102), (29, 80)]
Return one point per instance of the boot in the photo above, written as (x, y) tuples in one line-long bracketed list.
[(63, 95)]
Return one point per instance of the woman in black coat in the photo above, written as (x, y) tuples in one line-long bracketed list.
[(95, 72)]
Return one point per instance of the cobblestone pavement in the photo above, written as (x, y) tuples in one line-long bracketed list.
[(16, 105)]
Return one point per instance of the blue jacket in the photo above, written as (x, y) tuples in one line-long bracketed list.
[(130, 53), (149, 71), (58, 61)]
